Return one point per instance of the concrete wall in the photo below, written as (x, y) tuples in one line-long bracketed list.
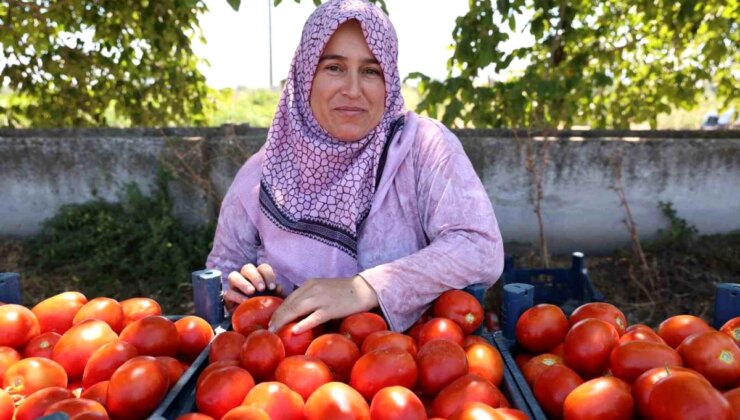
[(699, 172)]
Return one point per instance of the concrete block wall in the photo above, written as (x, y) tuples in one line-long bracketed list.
[(698, 172)]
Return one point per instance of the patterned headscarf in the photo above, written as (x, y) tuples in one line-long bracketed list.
[(312, 183)]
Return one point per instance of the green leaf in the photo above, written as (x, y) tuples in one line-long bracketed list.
[(234, 4)]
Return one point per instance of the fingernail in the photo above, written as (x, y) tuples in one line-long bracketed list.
[(261, 287), (272, 286)]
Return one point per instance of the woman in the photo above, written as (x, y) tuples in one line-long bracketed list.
[(357, 201)]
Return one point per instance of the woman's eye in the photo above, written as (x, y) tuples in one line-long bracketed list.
[(372, 71), (333, 67)]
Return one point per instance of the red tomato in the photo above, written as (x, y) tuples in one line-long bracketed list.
[(382, 368), (588, 345), (8, 356), (388, 339), (558, 350), (732, 328), (78, 344), (18, 325), (541, 328), (485, 361), (194, 335), (642, 387), (303, 374), (222, 390), (57, 312), (254, 314), (603, 311), (629, 360), (88, 415), (358, 326), (195, 416), (605, 397), (472, 339), (152, 336), (441, 329), (466, 388), (295, 344), (246, 413), (733, 397), (174, 368), (27, 376), (215, 366), (104, 309), (7, 407), (41, 345), (261, 353), (75, 406), (683, 395), (414, 331), (521, 359), (337, 351), (641, 333), (336, 401), (226, 346), (97, 392), (714, 355), (105, 360), (461, 307), (676, 328), (278, 401), (554, 385), (439, 363), (137, 308), (397, 402), (137, 387), (474, 410), (533, 368), (35, 404)]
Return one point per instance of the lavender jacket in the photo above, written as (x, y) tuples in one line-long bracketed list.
[(431, 228)]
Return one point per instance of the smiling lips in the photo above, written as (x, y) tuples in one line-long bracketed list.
[(349, 111)]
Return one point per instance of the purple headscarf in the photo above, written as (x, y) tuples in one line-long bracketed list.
[(312, 183)]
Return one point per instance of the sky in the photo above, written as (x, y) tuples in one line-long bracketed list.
[(237, 42)]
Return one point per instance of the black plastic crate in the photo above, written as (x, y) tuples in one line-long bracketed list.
[(565, 287), (181, 398), (516, 385)]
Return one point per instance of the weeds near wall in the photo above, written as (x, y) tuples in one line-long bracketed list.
[(645, 270), (132, 248)]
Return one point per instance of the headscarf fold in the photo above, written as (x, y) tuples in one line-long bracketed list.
[(313, 184)]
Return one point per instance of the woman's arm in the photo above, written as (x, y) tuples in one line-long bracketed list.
[(465, 245)]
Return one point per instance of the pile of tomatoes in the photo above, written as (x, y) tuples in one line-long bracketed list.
[(593, 365), (95, 359), (354, 368)]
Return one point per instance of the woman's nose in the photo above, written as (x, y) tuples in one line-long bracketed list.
[(352, 85)]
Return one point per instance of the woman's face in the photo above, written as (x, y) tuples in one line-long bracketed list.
[(348, 92)]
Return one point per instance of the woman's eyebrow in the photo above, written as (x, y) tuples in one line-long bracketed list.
[(371, 60)]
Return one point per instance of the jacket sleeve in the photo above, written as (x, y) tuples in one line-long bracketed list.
[(236, 239), (464, 242)]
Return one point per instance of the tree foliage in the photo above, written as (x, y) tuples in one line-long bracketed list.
[(602, 63), (70, 61)]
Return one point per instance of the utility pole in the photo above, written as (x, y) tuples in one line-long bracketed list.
[(269, 26)]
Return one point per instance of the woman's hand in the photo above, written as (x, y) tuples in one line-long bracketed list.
[(320, 300), (248, 281)]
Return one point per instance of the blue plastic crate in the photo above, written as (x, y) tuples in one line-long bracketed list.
[(565, 287)]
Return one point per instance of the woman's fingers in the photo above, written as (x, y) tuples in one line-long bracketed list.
[(314, 319), (250, 272), (238, 283), (297, 304), (265, 271)]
